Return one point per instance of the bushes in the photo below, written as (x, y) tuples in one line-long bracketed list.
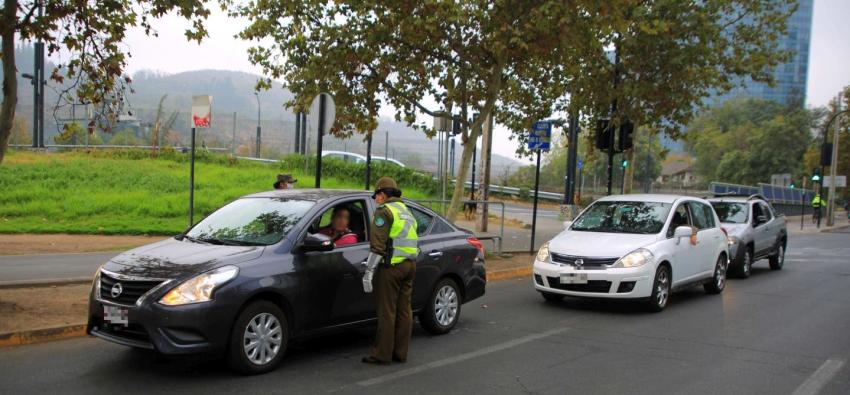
[(406, 177)]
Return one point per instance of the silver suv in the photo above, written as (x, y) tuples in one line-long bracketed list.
[(755, 231)]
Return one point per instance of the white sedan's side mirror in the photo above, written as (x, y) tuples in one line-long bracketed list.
[(683, 231)]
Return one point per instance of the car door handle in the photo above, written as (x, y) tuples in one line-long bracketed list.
[(435, 254)]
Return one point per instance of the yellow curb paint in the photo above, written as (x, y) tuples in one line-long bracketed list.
[(508, 274), (41, 335)]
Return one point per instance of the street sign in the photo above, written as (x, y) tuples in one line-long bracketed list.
[(329, 113), (201, 111), (840, 181), (540, 137), (580, 164)]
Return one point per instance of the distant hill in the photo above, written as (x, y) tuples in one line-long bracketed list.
[(233, 92)]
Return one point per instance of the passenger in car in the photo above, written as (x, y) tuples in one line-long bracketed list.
[(338, 228)]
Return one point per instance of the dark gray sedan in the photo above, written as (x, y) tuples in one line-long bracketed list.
[(257, 273)]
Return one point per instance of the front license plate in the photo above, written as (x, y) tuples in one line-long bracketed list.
[(115, 315), (573, 278)]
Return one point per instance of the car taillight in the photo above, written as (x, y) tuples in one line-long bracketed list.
[(476, 243)]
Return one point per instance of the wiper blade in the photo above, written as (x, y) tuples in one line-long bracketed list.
[(239, 242), (194, 240)]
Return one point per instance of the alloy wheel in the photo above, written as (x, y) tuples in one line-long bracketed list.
[(262, 338), (663, 288), (445, 305), (720, 275)]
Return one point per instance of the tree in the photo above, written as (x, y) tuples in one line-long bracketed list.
[(91, 31), (745, 141), (74, 134), (520, 61)]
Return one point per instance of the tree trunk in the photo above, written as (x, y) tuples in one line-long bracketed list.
[(10, 75)]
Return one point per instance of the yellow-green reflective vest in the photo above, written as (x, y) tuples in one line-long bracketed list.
[(817, 202), (403, 233)]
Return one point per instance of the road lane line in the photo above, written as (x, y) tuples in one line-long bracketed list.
[(820, 377), (460, 358)]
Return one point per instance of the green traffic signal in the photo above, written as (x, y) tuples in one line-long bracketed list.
[(625, 163), (792, 185), (816, 177)]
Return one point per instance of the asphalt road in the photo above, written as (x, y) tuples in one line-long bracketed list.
[(776, 333), (51, 266)]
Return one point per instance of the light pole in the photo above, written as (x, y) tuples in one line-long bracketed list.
[(259, 127)]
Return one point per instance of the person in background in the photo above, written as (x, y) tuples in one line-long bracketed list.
[(284, 181), (338, 230)]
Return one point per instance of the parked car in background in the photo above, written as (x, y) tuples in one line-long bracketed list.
[(387, 160), (344, 156), (635, 247), (256, 273), (755, 231)]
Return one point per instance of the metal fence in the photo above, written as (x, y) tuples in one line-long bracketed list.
[(786, 200)]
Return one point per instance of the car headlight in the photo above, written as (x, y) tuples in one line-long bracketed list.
[(732, 240), (95, 284), (199, 288), (635, 258), (543, 253)]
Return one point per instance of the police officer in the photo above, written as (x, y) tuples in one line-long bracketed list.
[(392, 262), (284, 181), (817, 203)]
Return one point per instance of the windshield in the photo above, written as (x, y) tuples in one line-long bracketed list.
[(250, 221), (623, 217), (728, 212)]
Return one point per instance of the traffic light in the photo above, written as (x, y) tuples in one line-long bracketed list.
[(603, 134), (625, 163), (816, 175), (627, 131), (791, 186)]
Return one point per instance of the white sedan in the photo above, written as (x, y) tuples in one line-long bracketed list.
[(635, 247)]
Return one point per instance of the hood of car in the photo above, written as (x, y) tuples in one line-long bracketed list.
[(735, 229), (598, 244), (171, 258)]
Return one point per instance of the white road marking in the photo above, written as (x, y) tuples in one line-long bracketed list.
[(460, 358), (820, 377)]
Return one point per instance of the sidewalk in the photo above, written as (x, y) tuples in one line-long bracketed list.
[(793, 223), (27, 243)]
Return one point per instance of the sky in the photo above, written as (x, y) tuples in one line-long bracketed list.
[(829, 62)]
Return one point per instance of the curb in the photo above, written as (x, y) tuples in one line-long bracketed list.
[(42, 335), (509, 274), (45, 283)]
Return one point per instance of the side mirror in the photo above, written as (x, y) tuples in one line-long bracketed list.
[(317, 242), (683, 231)]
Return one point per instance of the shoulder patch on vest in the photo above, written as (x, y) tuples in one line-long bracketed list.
[(379, 221)]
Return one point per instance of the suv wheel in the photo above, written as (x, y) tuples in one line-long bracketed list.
[(778, 260), (746, 266), (552, 297), (258, 339), (718, 281), (660, 289), (443, 309)]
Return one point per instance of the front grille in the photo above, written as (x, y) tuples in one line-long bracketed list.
[(132, 331), (587, 262), (131, 290), (596, 286)]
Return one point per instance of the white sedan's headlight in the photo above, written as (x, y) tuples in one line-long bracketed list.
[(543, 253), (733, 241), (635, 258), (199, 288)]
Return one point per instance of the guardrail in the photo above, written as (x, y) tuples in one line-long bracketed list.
[(512, 191), (497, 240)]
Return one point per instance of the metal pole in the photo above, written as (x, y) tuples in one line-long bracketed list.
[(452, 159), (612, 133), (259, 127), (233, 139), (830, 210), (802, 205), (441, 168), (387, 145), (534, 211), (192, 180), (39, 81), (369, 162), (297, 132), (319, 138), (623, 185), (472, 179), (572, 159)]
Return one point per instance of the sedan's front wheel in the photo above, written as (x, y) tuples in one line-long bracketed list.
[(258, 339), (443, 309), (660, 289)]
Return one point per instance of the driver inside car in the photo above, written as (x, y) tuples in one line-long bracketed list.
[(338, 230)]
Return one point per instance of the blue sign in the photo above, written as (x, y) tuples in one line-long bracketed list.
[(540, 137), (580, 164)]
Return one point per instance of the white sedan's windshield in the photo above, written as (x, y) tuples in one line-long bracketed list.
[(623, 217), (250, 221)]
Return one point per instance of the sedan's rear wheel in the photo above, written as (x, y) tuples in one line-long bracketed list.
[(443, 309), (258, 339), (660, 289), (718, 281)]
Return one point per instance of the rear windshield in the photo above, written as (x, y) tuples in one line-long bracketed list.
[(623, 217), (729, 212), (250, 221)]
